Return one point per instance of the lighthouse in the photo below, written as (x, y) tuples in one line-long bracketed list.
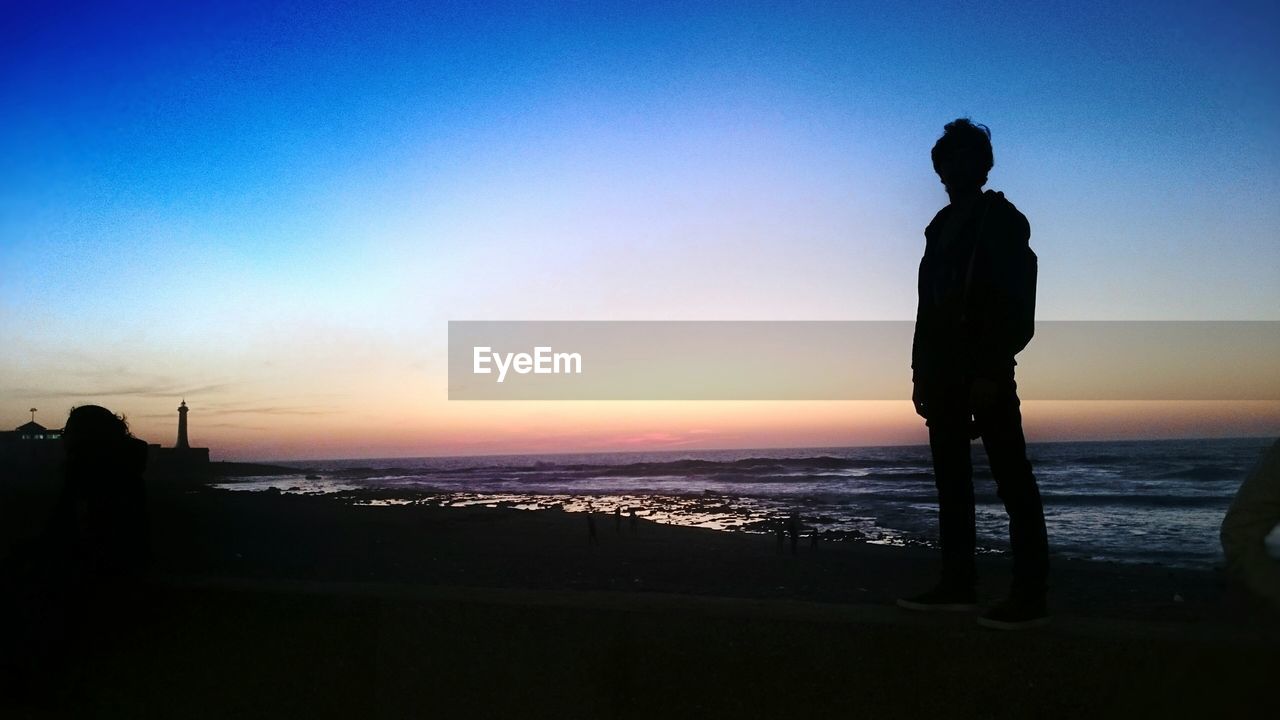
[(181, 460), (182, 443)]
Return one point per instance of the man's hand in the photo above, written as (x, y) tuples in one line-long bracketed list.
[(983, 394), (918, 399)]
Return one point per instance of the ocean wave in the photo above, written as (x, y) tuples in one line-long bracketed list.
[(690, 466), (1134, 500), (1201, 472)]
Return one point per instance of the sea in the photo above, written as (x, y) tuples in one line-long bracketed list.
[(1158, 502)]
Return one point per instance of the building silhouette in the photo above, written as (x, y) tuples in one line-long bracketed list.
[(35, 431), (30, 445), (33, 450)]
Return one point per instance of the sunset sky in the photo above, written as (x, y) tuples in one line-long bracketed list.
[(274, 212)]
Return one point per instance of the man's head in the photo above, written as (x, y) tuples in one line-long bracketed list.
[(962, 157), (91, 429)]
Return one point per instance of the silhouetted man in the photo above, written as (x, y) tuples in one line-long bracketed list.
[(977, 310)]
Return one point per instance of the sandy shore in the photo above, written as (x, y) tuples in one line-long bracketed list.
[(270, 605)]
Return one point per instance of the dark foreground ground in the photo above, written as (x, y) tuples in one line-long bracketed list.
[(280, 606)]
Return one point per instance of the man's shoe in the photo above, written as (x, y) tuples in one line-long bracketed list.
[(943, 598), (1015, 614)]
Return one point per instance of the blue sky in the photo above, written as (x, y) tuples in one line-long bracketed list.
[(198, 197)]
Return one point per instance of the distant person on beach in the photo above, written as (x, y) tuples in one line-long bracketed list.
[(633, 520), (793, 528), (977, 288), (617, 520), (1253, 515), (592, 536)]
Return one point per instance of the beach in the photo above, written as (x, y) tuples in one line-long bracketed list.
[(319, 538), (267, 604)]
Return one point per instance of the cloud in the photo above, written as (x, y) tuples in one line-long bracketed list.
[(235, 426), (265, 410), (147, 390), (659, 439)]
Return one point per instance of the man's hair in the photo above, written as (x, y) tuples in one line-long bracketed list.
[(94, 425), (966, 146)]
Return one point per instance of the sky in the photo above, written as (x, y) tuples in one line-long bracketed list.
[(273, 210)]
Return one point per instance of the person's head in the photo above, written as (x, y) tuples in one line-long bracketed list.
[(962, 157), (92, 430)]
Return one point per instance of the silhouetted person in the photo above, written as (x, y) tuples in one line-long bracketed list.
[(977, 288), (633, 520), (1254, 513), (103, 503), (81, 576), (592, 537), (813, 539), (617, 520), (793, 528), (781, 533)]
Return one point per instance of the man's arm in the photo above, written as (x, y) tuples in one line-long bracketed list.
[(920, 349)]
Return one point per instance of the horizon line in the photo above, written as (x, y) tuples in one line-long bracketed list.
[(711, 450)]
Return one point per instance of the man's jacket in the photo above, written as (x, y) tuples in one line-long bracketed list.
[(977, 290)]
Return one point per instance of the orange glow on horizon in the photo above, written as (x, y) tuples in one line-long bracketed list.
[(568, 427)]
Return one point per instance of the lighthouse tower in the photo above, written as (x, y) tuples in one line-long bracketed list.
[(182, 443), (181, 460)]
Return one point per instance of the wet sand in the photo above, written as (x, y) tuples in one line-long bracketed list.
[(279, 536), (270, 605)]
